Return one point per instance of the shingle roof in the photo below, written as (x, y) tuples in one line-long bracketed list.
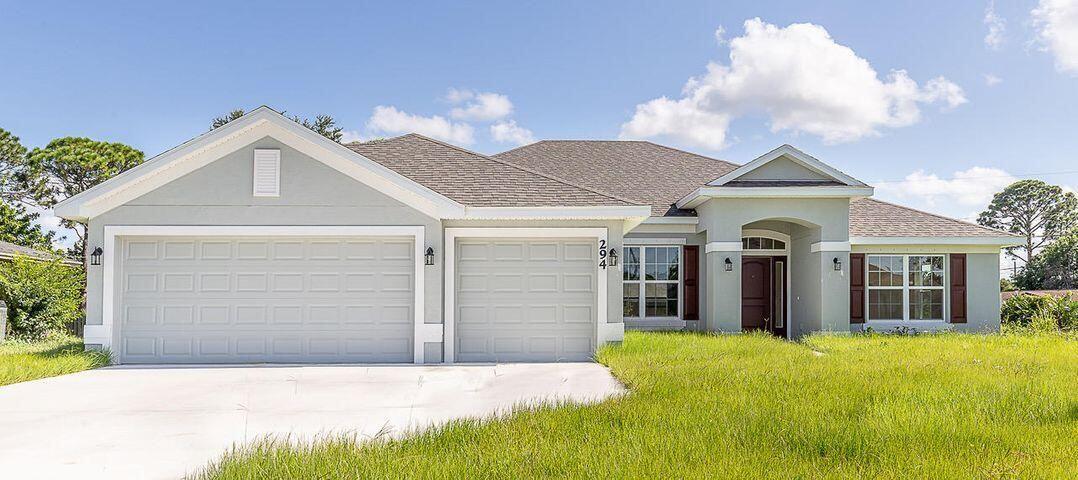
[(874, 218), (8, 250), (643, 172), (660, 176), (477, 180)]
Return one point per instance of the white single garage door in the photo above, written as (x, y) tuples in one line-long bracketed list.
[(525, 300), (266, 299)]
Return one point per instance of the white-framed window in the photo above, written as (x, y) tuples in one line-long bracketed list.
[(651, 281), (906, 287), (762, 243)]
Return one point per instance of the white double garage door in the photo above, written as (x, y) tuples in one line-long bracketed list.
[(326, 299)]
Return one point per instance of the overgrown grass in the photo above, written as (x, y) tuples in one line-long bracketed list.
[(947, 406), (23, 361)]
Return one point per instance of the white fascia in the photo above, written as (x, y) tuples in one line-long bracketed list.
[(702, 194), (795, 155), (672, 220), (1001, 241), (259, 123), (632, 215)]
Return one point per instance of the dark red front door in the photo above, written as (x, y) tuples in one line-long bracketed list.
[(756, 299)]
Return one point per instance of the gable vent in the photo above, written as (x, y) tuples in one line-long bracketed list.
[(267, 175)]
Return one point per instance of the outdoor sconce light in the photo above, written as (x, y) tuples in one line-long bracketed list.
[(429, 257), (612, 257), (729, 265), (95, 257), (838, 264)]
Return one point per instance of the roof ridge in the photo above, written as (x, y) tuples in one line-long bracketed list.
[(941, 216), (523, 169)]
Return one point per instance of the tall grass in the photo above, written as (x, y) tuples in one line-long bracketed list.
[(23, 361), (949, 406)]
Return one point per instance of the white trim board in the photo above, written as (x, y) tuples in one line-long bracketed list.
[(628, 241), (722, 247), (605, 332), (700, 195), (105, 334), (829, 247), (1001, 240)]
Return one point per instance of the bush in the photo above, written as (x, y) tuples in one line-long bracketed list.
[(1040, 312), (41, 296)]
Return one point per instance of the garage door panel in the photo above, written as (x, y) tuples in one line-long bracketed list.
[(267, 300), (525, 299)]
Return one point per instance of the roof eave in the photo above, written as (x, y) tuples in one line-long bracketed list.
[(1000, 241), (702, 194)]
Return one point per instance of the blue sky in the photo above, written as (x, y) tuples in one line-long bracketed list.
[(154, 74)]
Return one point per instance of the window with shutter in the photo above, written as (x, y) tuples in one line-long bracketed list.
[(267, 173)]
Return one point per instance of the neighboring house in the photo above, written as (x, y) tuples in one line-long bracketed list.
[(9, 250), (262, 241), (1040, 293)]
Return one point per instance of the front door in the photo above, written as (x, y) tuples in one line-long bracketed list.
[(763, 292), (755, 293)]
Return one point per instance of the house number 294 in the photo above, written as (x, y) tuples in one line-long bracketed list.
[(602, 254)]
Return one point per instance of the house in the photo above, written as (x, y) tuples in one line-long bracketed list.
[(10, 250), (261, 241)]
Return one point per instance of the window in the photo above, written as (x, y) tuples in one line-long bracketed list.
[(651, 281), (762, 243), (905, 287)]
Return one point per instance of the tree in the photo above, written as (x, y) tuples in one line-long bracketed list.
[(42, 296), (1054, 268), (17, 226), (1034, 209), (68, 166), (323, 125), (12, 164)]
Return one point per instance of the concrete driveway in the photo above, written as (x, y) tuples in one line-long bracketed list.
[(162, 422)]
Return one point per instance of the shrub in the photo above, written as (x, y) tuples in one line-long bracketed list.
[(1040, 312), (41, 296)]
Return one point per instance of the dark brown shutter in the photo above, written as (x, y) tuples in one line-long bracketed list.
[(857, 288), (958, 288), (692, 284)]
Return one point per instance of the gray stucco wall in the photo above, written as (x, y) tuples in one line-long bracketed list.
[(820, 294), (311, 194), (982, 293), (782, 169), (698, 239)]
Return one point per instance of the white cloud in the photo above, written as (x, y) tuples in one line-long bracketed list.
[(389, 120), (509, 132), (992, 80), (801, 79), (349, 136), (480, 107), (49, 222), (1056, 22), (996, 27), (720, 35), (457, 95), (964, 194)]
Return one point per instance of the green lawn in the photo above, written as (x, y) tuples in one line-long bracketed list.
[(951, 406), (20, 362)]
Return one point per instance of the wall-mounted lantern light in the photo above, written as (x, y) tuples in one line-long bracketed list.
[(838, 264), (729, 265), (429, 257), (95, 257), (612, 257)]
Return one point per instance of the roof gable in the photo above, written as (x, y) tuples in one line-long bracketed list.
[(786, 163), (215, 144)]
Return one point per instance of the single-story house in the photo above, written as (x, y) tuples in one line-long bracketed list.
[(262, 241)]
